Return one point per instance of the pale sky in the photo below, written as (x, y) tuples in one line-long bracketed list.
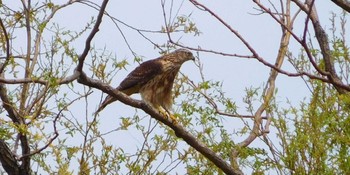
[(236, 73)]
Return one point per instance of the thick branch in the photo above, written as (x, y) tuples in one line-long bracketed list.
[(8, 160), (8, 105), (25, 166), (323, 42), (270, 87), (178, 129), (344, 4), (332, 78), (260, 59)]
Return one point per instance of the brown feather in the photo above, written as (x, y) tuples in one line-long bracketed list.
[(153, 79)]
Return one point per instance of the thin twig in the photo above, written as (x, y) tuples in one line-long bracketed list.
[(59, 114), (8, 52)]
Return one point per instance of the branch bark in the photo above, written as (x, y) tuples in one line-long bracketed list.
[(178, 129), (344, 4), (323, 42), (8, 160), (302, 6), (270, 87)]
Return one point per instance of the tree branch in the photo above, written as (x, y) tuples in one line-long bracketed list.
[(213, 104), (264, 62), (323, 42), (332, 78), (8, 52), (8, 160), (55, 134), (344, 4), (65, 80), (178, 129), (8, 105), (91, 36)]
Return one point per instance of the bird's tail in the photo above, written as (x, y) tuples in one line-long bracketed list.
[(109, 99)]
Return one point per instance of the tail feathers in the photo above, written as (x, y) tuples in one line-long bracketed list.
[(107, 101)]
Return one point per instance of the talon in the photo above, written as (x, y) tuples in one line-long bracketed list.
[(173, 118), (167, 114)]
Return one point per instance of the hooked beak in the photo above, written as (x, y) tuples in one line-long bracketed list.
[(193, 58)]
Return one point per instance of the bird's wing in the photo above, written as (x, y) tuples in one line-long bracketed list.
[(140, 76), (135, 80)]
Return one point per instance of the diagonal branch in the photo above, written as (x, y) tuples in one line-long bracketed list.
[(255, 55), (8, 160), (8, 52), (213, 104), (91, 36), (344, 4), (178, 129), (331, 76), (323, 42), (55, 134), (235, 32), (270, 87), (8, 105)]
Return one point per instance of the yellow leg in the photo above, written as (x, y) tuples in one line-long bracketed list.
[(166, 113)]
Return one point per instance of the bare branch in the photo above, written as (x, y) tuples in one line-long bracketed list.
[(270, 87), (213, 104), (55, 135), (8, 160), (236, 33), (260, 59), (301, 41), (22, 80), (65, 80), (91, 36), (8, 105), (344, 4), (8, 52), (323, 42), (178, 129), (332, 77)]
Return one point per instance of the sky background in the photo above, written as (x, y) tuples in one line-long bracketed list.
[(237, 74), (261, 31)]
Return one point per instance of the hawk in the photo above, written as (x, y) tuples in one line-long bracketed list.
[(154, 80)]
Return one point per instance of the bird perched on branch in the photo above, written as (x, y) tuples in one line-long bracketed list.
[(154, 80)]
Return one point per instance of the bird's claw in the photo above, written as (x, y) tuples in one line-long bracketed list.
[(167, 114), (173, 118)]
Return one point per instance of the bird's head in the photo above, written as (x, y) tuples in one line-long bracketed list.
[(181, 55), (184, 54)]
